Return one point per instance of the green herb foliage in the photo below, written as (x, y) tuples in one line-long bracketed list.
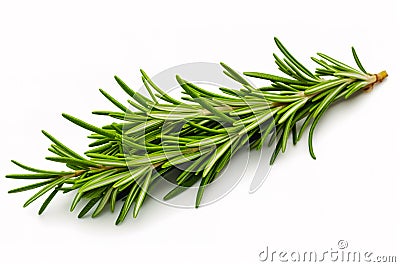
[(193, 138)]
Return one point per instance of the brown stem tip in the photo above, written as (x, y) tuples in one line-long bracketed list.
[(378, 78), (381, 76)]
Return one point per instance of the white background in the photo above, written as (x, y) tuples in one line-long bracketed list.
[(54, 57)]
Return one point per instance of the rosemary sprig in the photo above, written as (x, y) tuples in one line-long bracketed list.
[(194, 137)]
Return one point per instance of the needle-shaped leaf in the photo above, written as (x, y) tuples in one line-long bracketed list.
[(103, 180), (218, 153), (102, 203), (292, 59), (128, 203), (286, 131), (78, 162), (296, 106), (45, 189), (338, 63), (329, 99), (357, 60), (113, 100), (236, 76), (325, 86), (88, 126), (32, 176), (62, 146), (47, 201), (134, 174), (357, 87), (273, 78), (142, 194), (88, 207), (25, 167), (30, 187), (164, 95)]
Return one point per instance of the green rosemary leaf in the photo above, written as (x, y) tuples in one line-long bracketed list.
[(278, 147), (183, 187), (193, 169), (294, 133), (142, 100), (200, 192), (324, 86), (76, 200), (170, 116), (174, 108), (292, 59), (206, 129), (99, 148), (144, 127), (58, 151), (351, 75), (304, 126), (218, 153), (142, 194), (203, 92), (273, 78), (88, 207), (113, 199), (62, 146), (283, 67), (88, 126), (32, 176), (293, 108), (357, 60), (95, 193), (103, 180), (328, 99), (134, 174), (164, 95), (266, 116), (47, 201), (45, 189), (247, 110), (146, 85), (321, 95), (114, 101), (299, 72), (30, 187), (232, 93), (25, 167), (338, 63), (102, 203), (236, 76), (281, 86), (101, 112), (139, 107), (312, 128), (281, 98), (324, 64), (209, 141), (127, 204), (185, 158), (203, 102), (286, 132), (78, 162), (357, 87), (96, 174)]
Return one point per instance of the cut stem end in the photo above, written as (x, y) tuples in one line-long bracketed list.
[(378, 78), (381, 76)]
